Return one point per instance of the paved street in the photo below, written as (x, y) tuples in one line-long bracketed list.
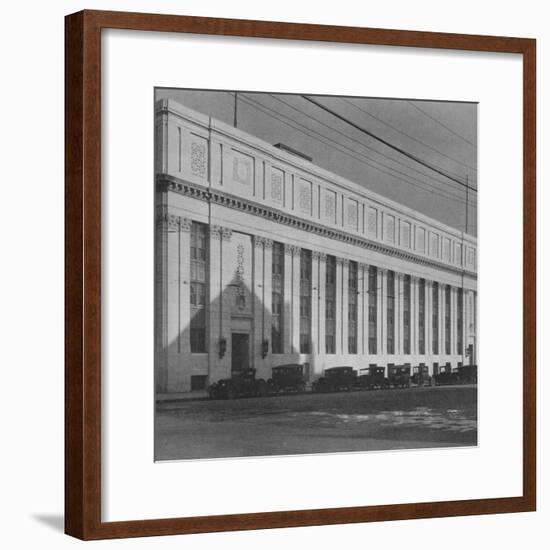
[(316, 423)]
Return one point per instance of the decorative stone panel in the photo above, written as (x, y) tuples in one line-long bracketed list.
[(198, 159), (389, 228), (352, 214), (304, 196), (372, 222), (277, 186), (447, 249), (405, 240), (421, 240), (330, 206), (243, 169), (434, 245)]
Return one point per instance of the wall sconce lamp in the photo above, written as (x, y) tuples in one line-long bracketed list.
[(222, 344), (265, 348)]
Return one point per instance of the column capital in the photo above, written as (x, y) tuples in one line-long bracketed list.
[(318, 255), (292, 249), (216, 231), (226, 233), (259, 242), (345, 262), (172, 221)]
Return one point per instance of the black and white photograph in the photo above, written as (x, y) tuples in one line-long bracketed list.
[(315, 274)]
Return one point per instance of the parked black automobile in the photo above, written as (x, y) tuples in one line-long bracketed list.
[(372, 377), (287, 378), (421, 376), (241, 384), (336, 379), (399, 376), (467, 374), (445, 376)]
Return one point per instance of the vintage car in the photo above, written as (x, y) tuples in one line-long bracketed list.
[(399, 376), (242, 383), (467, 374), (285, 378), (372, 377), (445, 376), (336, 379), (421, 376)]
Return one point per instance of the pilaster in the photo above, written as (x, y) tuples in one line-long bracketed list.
[(381, 323), (345, 307), (339, 306)]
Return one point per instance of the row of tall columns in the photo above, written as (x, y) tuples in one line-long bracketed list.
[(174, 312)]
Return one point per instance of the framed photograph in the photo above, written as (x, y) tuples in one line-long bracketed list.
[(300, 275)]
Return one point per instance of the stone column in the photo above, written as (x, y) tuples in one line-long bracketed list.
[(226, 302), (382, 311), (215, 327), (338, 315), (295, 300), (399, 313), (464, 358), (428, 321), (362, 312), (441, 319), (315, 318), (454, 298), (321, 348), (287, 307), (345, 308), (257, 292), (266, 295), (176, 334), (414, 315)]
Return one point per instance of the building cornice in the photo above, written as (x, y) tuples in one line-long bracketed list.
[(212, 195)]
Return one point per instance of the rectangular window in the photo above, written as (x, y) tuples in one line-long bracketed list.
[(435, 318), (199, 249), (305, 301), (373, 308), (277, 297), (330, 306), (390, 313), (459, 321), (448, 320), (407, 315), (422, 316), (352, 307)]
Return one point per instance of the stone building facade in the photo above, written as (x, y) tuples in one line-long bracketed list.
[(263, 258)]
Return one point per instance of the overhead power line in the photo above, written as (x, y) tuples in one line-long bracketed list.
[(362, 144), (348, 151), (390, 145), (398, 130), (441, 124)]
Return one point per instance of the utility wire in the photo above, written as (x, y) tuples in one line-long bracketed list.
[(349, 152), (407, 135), (391, 159), (388, 144), (353, 153), (441, 124)]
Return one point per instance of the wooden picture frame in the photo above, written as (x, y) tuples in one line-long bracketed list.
[(83, 274)]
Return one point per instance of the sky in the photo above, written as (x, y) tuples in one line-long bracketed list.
[(441, 134)]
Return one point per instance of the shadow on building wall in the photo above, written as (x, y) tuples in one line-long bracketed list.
[(230, 333)]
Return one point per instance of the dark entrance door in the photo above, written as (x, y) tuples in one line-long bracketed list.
[(239, 352)]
